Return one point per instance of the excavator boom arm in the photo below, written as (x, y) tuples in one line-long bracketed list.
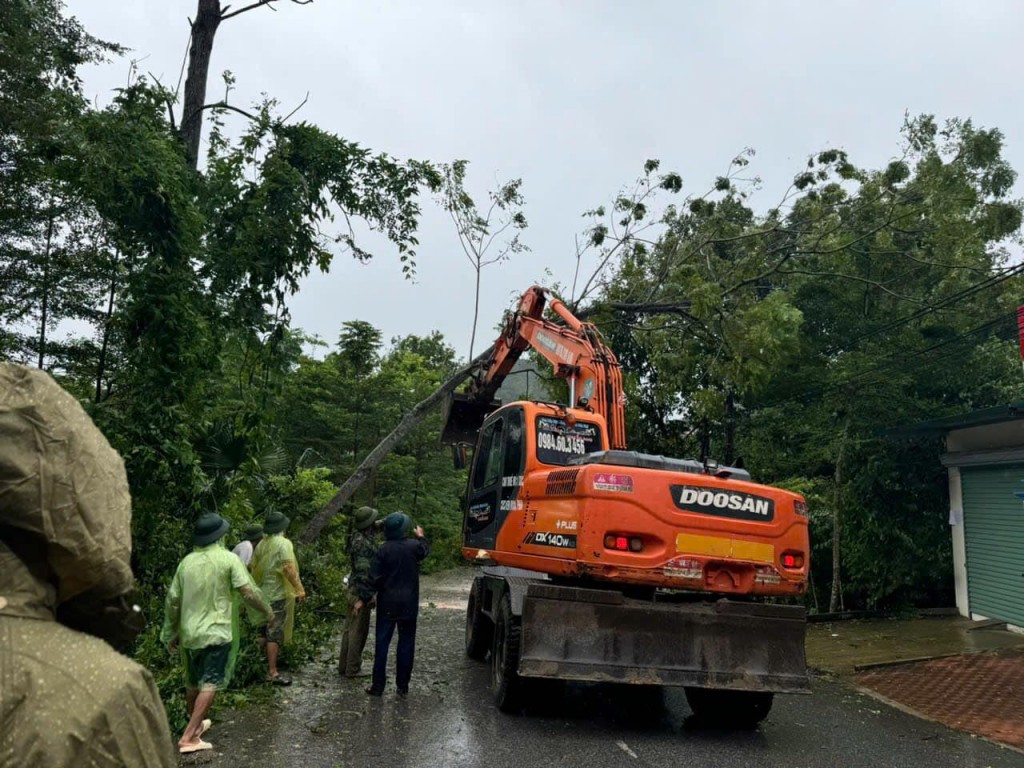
[(576, 352)]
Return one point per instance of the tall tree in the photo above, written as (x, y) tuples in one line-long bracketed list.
[(48, 235), (850, 307), (487, 237), (202, 32)]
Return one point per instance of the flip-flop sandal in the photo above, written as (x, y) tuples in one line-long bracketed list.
[(199, 746), (279, 680), (204, 727)]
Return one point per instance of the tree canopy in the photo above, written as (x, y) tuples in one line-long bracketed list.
[(793, 339)]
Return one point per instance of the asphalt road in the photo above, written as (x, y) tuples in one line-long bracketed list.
[(448, 720)]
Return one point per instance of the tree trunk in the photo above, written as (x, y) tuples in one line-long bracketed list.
[(408, 423), (44, 315), (730, 430), (476, 309), (204, 29), (836, 600), (102, 365), (416, 483)]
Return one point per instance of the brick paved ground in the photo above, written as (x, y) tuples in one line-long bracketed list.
[(980, 693)]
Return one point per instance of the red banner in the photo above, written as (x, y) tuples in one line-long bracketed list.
[(1020, 329)]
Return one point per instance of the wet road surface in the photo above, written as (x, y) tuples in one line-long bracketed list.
[(448, 720)]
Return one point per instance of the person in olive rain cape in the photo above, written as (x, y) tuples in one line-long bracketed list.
[(276, 571), (67, 697)]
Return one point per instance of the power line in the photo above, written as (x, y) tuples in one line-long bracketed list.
[(990, 282), (1004, 320)]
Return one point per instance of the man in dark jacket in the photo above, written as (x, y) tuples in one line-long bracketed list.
[(395, 579)]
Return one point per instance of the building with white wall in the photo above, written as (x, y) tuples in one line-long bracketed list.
[(984, 460)]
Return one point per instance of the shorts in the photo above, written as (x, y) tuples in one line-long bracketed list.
[(207, 668), (280, 609)]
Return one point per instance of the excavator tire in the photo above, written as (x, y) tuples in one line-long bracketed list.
[(506, 683), (479, 628), (729, 709)]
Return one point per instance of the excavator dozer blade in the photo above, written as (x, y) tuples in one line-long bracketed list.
[(598, 635), (463, 417)]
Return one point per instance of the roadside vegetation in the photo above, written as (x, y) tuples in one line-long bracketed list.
[(789, 335)]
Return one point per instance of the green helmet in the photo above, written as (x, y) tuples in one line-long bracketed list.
[(364, 517)]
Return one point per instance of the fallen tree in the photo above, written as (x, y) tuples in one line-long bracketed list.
[(409, 422)]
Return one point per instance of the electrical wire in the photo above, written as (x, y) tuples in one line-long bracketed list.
[(1002, 322), (982, 285)]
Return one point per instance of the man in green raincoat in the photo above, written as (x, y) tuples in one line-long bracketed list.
[(276, 572), (67, 698), (200, 615)]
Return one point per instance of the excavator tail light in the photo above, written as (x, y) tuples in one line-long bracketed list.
[(800, 507), (792, 560), (622, 543)]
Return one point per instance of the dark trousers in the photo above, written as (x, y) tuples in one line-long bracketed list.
[(403, 655)]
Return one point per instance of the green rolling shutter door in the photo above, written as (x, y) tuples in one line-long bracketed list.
[(994, 532)]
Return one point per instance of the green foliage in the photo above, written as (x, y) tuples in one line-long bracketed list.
[(182, 281), (52, 251), (867, 299), (340, 407)]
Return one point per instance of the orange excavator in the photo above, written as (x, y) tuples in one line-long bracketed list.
[(607, 565)]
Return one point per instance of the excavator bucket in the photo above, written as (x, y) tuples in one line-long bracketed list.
[(463, 417)]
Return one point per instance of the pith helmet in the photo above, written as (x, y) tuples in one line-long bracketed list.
[(396, 525), (209, 528), (364, 517), (276, 522)]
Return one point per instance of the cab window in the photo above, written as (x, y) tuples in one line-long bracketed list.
[(514, 438), (488, 463), (557, 442)]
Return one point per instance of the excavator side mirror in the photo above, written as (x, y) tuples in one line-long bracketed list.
[(459, 456)]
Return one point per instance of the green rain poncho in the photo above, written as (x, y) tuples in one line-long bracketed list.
[(66, 698), (202, 601), (274, 567)]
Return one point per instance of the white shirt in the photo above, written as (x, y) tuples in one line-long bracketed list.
[(244, 551)]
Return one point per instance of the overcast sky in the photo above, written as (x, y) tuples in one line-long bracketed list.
[(573, 97)]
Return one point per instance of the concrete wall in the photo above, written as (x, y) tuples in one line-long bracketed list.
[(956, 527), (992, 437)]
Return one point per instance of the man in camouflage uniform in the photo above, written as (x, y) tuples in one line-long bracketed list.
[(362, 548)]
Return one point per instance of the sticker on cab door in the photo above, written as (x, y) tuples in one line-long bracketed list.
[(603, 481)]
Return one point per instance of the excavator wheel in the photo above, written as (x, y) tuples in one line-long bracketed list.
[(730, 709), (505, 680), (479, 629)]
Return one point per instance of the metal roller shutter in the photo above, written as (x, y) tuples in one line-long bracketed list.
[(994, 533)]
